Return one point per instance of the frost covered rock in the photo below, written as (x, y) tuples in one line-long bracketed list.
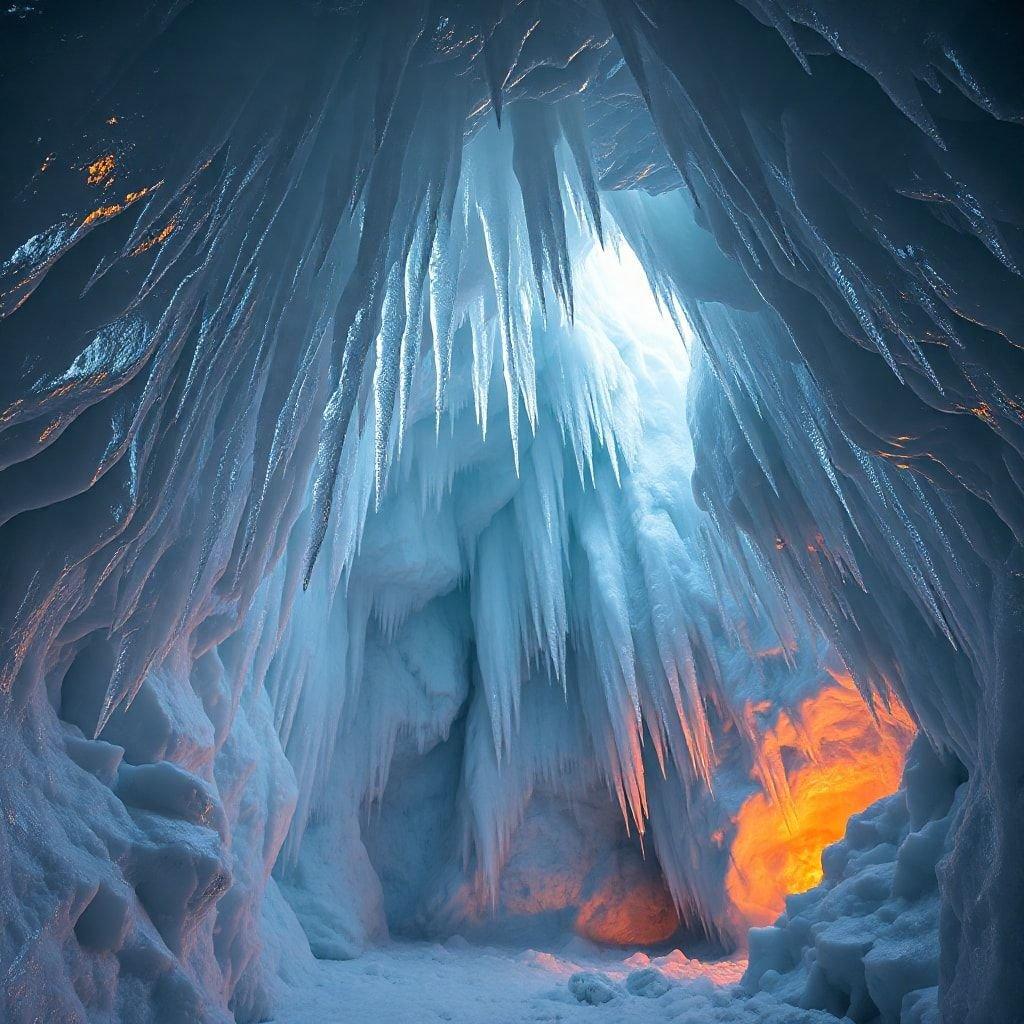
[(592, 988), (647, 982)]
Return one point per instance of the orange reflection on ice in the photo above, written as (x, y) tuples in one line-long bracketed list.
[(631, 910), (100, 169), (836, 759)]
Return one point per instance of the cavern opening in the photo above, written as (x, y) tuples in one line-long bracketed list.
[(509, 511)]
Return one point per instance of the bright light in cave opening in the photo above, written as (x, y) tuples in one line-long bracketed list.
[(611, 284)]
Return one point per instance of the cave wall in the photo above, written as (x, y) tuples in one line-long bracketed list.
[(862, 178)]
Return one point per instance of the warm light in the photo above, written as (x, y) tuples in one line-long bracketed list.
[(838, 759), (100, 169), (112, 209), (635, 910), (158, 239), (621, 900)]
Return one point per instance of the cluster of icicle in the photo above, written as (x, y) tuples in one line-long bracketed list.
[(558, 561), (201, 234), (857, 168), (868, 384), (214, 335), (180, 359)]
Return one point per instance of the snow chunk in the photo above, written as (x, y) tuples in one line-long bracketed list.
[(593, 988)]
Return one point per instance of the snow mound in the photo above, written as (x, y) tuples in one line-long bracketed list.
[(865, 943)]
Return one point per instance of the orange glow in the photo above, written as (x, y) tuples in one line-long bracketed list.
[(642, 914), (48, 431), (159, 238), (618, 898), (112, 209), (100, 169), (102, 213), (825, 761), (141, 193)]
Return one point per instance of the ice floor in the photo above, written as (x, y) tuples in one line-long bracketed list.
[(461, 984)]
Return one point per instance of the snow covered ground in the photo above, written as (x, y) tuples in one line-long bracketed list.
[(461, 984)]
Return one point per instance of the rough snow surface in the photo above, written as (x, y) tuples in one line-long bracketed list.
[(864, 943), (457, 983)]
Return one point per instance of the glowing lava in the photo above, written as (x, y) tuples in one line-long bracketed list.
[(835, 759)]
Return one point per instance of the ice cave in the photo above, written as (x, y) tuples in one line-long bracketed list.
[(512, 511)]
